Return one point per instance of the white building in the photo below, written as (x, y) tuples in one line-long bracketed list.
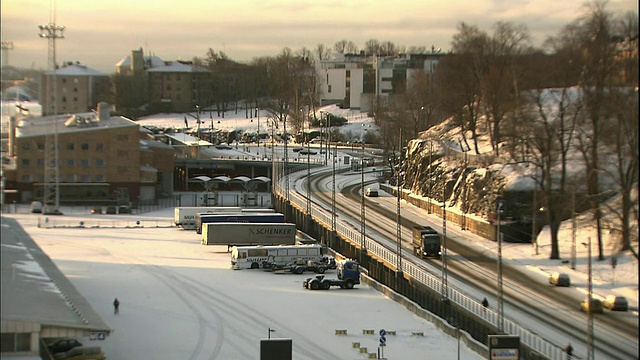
[(353, 81)]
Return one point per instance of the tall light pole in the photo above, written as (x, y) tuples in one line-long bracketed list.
[(6, 46), (590, 335), (500, 210), (445, 272), (51, 191), (398, 215), (258, 133), (363, 227), (534, 231)]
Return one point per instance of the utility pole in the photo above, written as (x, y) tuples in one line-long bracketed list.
[(398, 215), (500, 209), (51, 193), (445, 272), (363, 227)]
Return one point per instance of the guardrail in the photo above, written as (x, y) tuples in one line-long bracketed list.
[(347, 231)]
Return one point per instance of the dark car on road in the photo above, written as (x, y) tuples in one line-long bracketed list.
[(63, 345), (559, 279), (223, 147), (307, 152)]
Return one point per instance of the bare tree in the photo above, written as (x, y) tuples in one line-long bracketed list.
[(345, 47), (460, 79), (551, 130), (623, 109), (323, 52), (372, 47), (598, 72), (499, 77)]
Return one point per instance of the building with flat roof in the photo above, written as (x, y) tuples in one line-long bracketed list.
[(78, 87), (99, 156), (38, 302)]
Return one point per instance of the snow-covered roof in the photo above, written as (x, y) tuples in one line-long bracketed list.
[(78, 70), (151, 61), (177, 66)]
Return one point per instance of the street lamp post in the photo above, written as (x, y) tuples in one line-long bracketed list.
[(445, 272), (590, 335), (500, 209), (258, 133), (534, 232)]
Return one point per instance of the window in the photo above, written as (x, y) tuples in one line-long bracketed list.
[(25, 178), (25, 162), (70, 146), (85, 178), (100, 147), (84, 163), (39, 162), (329, 90), (84, 146), (100, 162), (40, 146), (100, 178), (70, 163), (15, 342), (25, 146)]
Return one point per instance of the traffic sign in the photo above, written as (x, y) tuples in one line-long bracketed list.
[(383, 332), (501, 206)]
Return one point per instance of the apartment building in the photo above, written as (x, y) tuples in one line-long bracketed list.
[(78, 87), (98, 156), (354, 80), (178, 86)]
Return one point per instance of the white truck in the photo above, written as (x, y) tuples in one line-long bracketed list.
[(246, 234)]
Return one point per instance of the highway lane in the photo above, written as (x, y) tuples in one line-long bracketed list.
[(559, 321)]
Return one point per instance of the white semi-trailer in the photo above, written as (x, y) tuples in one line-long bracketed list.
[(245, 234), (185, 216)]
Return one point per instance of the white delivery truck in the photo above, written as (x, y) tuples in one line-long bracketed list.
[(245, 234)]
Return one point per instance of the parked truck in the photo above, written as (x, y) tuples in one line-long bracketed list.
[(348, 277), (426, 242), (246, 234)]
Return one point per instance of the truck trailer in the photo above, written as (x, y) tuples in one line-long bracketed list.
[(247, 234), (185, 216), (243, 217), (426, 242)]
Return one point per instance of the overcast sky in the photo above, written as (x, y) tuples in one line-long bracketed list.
[(100, 33)]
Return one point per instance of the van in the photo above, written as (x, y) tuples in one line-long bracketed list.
[(36, 207), (371, 192)]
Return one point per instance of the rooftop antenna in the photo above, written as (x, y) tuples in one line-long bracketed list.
[(51, 193)]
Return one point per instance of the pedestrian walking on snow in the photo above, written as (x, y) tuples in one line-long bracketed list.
[(116, 304)]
